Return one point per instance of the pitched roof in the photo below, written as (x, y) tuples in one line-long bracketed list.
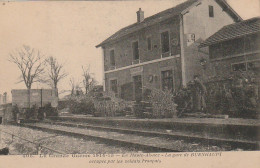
[(234, 30), (175, 11), (149, 21)]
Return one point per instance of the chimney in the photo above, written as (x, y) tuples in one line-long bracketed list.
[(140, 15)]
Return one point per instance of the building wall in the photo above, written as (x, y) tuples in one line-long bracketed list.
[(123, 47), (20, 97), (154, 69), (198, 22), (6, 113), (236, 51), (124, 56)]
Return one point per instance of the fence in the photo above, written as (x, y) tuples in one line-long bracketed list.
[(38, 146)]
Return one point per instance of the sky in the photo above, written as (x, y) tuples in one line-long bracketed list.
[(70, 31)]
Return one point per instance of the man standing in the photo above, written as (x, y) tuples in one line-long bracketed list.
[(198, 94)]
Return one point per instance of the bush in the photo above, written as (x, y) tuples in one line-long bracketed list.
[(48, 110), (41, 114), (183, 99), (111, 106), (31, 113), (81, 105), (162, 102), (15, 111), (236, 96)]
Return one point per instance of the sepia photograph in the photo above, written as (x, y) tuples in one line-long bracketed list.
[(129, 78)]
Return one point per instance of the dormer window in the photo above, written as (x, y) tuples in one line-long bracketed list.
[(211, 11)]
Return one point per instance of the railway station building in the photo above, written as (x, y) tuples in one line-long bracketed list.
[(161, 51), (235, 47)]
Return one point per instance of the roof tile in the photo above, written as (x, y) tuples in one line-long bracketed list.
[(150, 20), (234, 30), (166, 14)]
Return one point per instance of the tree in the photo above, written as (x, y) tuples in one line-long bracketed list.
[(31, 64), (75, 87), (29, 61), (88, 81), (72, 85), (55, 72)]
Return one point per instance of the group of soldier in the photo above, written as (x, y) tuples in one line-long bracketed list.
[(237, 94)]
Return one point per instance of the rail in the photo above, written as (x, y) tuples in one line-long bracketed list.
[(39, 146)]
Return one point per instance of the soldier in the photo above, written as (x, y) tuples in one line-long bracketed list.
[(198, 94)]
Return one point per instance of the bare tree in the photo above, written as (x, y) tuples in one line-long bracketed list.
[(72, 85), (75, 87), (29, 61), (55, 72), (31, 64), (89, 82)]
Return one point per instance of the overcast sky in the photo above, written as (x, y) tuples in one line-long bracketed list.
[(70, 31)]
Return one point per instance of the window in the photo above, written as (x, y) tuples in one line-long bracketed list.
[(165, 42), (239, 67), (113, 86), (211, 11), (149, 43), (167, 80), (135, 50), (112, 58)]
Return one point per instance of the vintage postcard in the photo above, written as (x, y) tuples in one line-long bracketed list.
[(170, 83)]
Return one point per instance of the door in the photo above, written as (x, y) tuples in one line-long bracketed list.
[(137, 88), (127, 91), (167, 80)]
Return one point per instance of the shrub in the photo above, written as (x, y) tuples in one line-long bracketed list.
[(31, 113), (183, 99), (235, 95), (48, 110), (15, 111), (41, 114), (109, 105), (81, 105), (162, 102)]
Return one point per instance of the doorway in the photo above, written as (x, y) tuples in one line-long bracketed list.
[(167, 80), (137, 80)]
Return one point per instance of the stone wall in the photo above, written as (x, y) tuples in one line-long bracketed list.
[(6, 113), (39, 97)]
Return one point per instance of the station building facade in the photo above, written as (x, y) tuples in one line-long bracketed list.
[(161, 51)]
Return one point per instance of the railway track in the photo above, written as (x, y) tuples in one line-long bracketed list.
[(149, 141), (106, 139)]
